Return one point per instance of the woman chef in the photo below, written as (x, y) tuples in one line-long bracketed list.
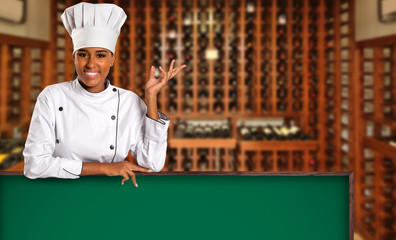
[(87, 126)]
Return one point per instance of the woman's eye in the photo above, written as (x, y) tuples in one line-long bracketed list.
[(82, 54), (101, 55)]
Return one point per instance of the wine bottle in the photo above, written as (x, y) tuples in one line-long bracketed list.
[(281, 67), (297, 67), (232, 106), (218, 81), (282, 19), (245, 133), (172, 107), (218, 93), (203, 67), (188, 19), (180, 130), (266, 162), (297, 80), (218, 107), (297, 134), (297, 93), (233, 82), (218, 41), (203, 81), (172, 32), (187, 163), (265, 93), (297, 54), (313, 93), (203, 161), (281, 42), (297, 106), (297, 162), (297, 16), (203, 93), (268, 133), (256, 134), (297, 43), (172, 162), (313, 105), (281, 106), (203, 41), (297, 29), (281, 55), (281, 93), (225, 131), (282, 161), (208, 132), (171, 54), (188, 93), (218, 68)]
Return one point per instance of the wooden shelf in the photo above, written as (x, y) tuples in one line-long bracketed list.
[(278, 145), (386, 122), (379, 146), (202, 143)]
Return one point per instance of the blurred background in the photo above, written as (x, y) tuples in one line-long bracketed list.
[(270, 85)]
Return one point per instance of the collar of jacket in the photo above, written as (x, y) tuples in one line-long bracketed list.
[(106, 93)]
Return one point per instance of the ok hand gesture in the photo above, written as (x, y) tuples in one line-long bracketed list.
[(154, 85)]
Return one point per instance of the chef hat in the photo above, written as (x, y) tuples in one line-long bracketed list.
[(94, 25)]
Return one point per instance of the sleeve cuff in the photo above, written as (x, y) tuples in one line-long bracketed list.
[(72, 168), (157, 129), (162, 118)]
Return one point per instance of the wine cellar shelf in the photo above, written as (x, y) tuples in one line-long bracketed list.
[(376, 152)]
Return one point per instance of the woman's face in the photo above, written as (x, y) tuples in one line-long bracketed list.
[(92, 67)]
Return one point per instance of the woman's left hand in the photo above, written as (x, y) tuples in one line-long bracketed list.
[(154, 85)]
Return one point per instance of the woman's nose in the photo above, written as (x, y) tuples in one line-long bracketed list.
[(91, 62)]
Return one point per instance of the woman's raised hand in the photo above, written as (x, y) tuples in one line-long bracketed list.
[(154, 85)]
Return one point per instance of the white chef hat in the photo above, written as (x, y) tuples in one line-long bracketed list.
[(94, 25)]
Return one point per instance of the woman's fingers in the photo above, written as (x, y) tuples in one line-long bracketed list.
[(152, 72), (165, 74), (125, 178), (130, 172), (171, 66), (176, 70), (135, 167)]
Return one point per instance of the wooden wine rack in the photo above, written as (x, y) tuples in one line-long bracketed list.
[(376, 108)]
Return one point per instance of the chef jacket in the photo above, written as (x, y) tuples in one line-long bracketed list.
[(71, 125)]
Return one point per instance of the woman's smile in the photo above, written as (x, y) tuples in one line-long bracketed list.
[(91, 74)]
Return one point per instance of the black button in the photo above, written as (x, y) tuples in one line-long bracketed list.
[(111, 147), (60, 108), (57, 140), (114, 90), (113, 117)]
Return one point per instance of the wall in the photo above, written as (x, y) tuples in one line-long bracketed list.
[(367, 24), (37, 23)]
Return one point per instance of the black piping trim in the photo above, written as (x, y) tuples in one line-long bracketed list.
[(118, 110), (71, 173)]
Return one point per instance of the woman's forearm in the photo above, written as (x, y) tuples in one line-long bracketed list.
[(152, 109), (94, 168)]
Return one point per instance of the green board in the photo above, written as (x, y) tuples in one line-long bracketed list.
[(176, 207)]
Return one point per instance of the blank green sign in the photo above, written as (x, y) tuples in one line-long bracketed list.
[(175, 207)]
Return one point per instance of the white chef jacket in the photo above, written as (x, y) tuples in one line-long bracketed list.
[(71, 125)]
